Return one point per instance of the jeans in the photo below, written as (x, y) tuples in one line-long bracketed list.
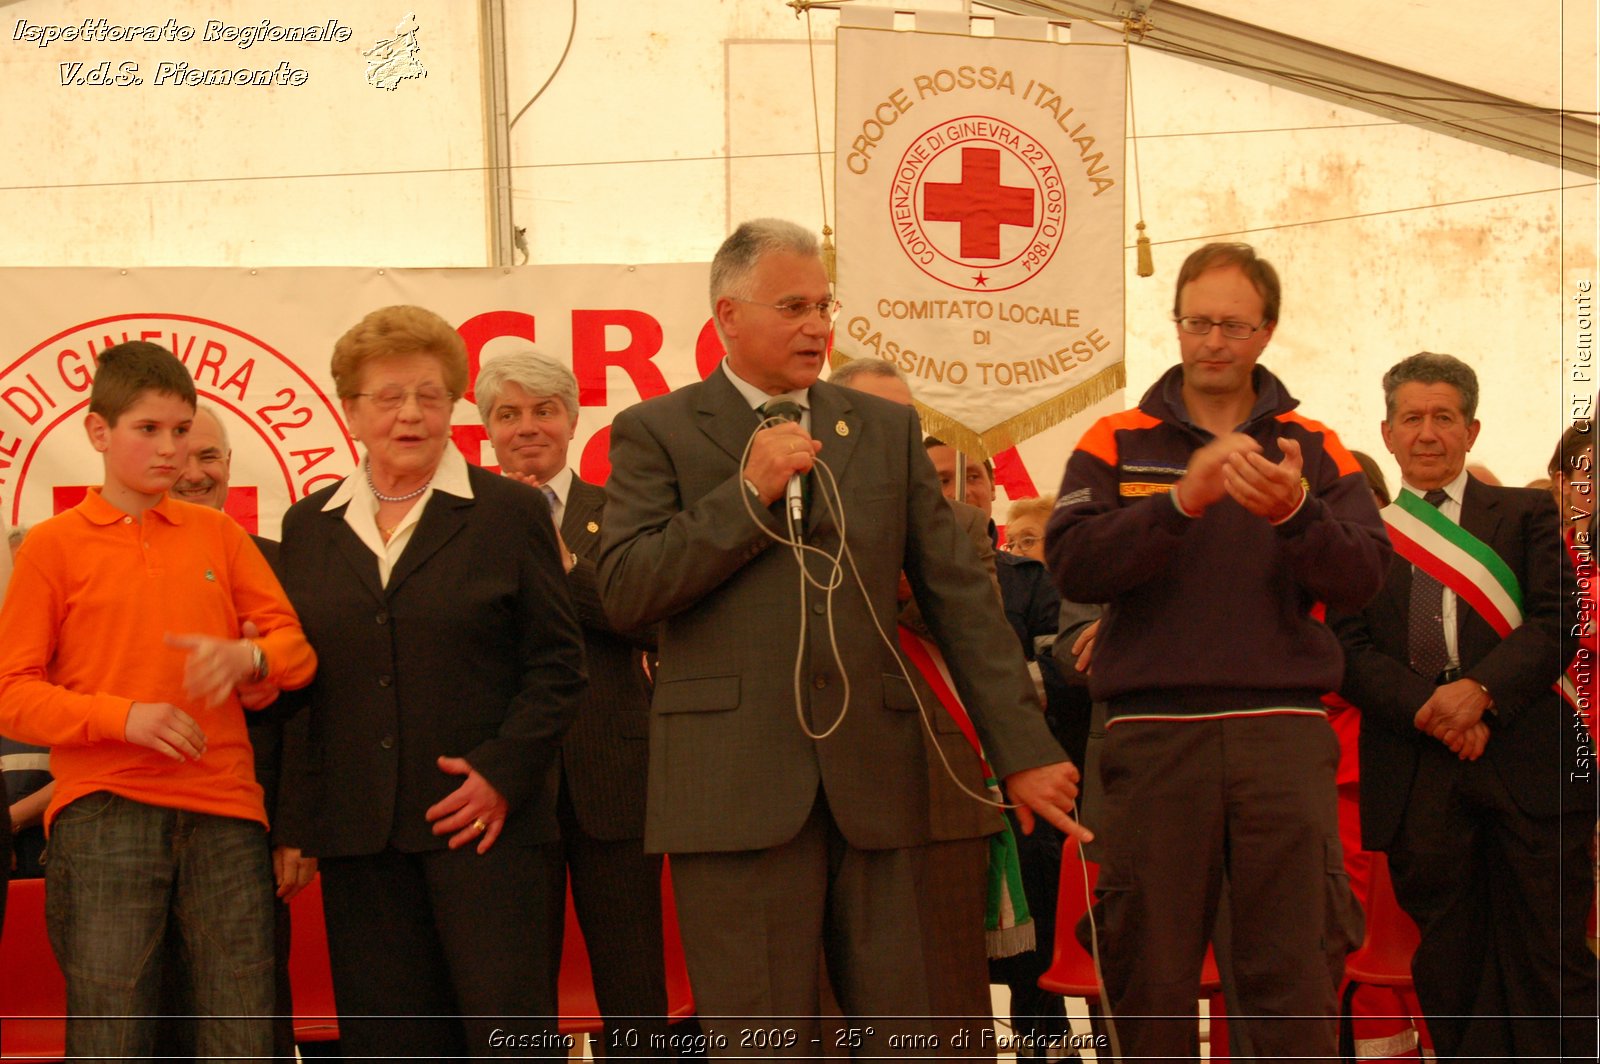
[(118, 871)]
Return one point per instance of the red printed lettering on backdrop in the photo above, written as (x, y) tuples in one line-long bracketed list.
[(1011, 474), (281, 414), (708, 349), (591, 357), (479, 329)]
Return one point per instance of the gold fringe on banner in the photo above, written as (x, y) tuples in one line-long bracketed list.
[(1008, 433)]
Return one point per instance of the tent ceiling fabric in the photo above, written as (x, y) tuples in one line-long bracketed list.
[(1386, 58)]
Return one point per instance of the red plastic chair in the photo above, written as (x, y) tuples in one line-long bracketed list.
[(1384, 958), (1071, 971), (316, 1016), (33, 992), (580, 1012)]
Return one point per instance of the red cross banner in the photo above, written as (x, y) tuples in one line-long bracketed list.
[(257, 343), (980, 191)]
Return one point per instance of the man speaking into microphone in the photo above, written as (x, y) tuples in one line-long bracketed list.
[(793, 798)]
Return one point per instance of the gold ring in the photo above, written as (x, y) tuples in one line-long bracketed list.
[(481, 826)]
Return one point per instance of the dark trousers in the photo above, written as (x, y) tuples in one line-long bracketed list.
[(951, 886), (616, 890), (446, 953), (757, 923), (1186, 804), (1502, 900), (5, 856), (175, 1028)]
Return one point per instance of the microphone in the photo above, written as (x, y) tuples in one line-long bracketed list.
[(789, 410)]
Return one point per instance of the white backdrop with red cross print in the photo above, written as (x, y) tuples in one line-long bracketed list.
[(258, 345)]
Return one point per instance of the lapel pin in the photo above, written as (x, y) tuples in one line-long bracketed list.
[(842, 429), (593, 526), (211, 576)]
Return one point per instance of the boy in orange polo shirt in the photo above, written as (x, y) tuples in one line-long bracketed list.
[(120, 648)]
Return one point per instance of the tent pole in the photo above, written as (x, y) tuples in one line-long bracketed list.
[(496, 131)]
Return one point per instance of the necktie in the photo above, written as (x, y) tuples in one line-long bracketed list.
[(783, 407), (550, 497), (1425, 630), (789, 410)]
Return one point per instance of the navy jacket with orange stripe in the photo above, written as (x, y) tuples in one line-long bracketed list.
[(1211, 615)]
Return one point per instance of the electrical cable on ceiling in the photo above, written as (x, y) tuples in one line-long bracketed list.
[(572, 31)]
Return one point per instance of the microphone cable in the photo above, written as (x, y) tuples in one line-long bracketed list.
[(826, 489)]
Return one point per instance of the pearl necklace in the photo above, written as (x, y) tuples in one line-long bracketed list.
[(381, 497)]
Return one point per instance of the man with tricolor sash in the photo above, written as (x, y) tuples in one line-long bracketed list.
[(1476, 778)]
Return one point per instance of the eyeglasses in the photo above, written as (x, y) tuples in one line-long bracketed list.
[(427, 397), (1021, 545), (795, 309), (1233, 330)]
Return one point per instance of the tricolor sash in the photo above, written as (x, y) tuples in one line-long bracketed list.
[(1465, 564), (1456, 558), (1008, 926), (1568, 686)]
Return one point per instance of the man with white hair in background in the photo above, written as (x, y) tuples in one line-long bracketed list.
[(529, 405)]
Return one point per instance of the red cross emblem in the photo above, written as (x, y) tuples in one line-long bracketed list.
[(979, 203)]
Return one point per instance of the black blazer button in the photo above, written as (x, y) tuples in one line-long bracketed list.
[(386, 680), (387, 742)]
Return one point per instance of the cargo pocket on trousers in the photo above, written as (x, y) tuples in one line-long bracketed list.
[(1344, 925)]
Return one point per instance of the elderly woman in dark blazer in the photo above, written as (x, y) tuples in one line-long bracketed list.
[(422, 775)]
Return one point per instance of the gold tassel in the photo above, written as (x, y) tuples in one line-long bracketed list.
[(830, 256), (1147, 266)]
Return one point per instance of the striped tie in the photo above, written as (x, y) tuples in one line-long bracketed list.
[(1425, 631)]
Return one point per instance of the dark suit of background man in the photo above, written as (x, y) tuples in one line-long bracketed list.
[(785, 848), (1471, 779), (529, 404), (955, 882)]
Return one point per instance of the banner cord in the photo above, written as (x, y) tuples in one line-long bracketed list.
[(1146, 262), (830, 254)]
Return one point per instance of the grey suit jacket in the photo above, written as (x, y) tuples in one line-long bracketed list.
[(603, 756), (730, 767)]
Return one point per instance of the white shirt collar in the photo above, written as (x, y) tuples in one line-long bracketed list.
[(1455, 489), (755, 396), (361, 507)]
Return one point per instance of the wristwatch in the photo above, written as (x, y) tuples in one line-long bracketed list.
[(258, 658)]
